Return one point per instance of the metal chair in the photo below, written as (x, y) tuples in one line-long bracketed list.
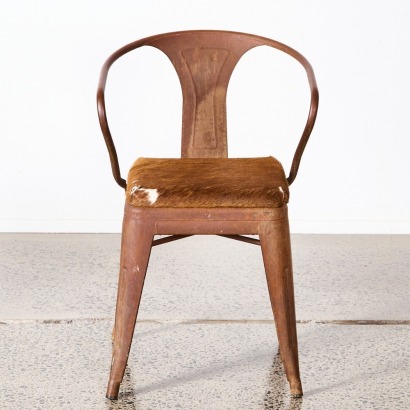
[(204, 191)]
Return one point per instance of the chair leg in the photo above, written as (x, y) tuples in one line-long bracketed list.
[(135, 251), (119, 297), (277, 258)]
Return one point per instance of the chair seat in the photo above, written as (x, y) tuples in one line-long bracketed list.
[(207, 183)]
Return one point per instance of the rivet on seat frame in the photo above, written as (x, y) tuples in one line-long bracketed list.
[(208, 198)]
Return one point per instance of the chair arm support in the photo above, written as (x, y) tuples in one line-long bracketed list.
[(102, 115), (115, 167), (314, 102)]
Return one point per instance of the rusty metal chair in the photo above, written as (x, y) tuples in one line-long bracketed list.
[(205, 192)]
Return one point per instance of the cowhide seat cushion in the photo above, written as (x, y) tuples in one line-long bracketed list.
[(207, 183)]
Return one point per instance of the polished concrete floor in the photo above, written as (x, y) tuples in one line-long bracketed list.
[(205, 337)]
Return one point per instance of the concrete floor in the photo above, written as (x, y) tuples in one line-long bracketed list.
[(205, 337)]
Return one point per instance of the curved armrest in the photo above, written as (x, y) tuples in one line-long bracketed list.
[(314, 102), (102, 115)]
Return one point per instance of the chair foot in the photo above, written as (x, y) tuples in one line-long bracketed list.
[(113, 390), (296, 389)]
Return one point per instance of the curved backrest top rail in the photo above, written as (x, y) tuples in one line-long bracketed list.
[(204, 61)]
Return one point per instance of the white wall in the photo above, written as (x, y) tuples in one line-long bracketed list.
[(54, 169)]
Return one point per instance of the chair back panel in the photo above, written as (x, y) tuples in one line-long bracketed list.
[(204, 62)]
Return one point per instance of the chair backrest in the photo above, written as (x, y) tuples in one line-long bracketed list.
[(204, 61)]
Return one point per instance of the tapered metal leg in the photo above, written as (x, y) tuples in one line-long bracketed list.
[(135, 251), (276, 250)]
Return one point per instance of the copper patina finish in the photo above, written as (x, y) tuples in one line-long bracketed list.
[(204, 61)]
